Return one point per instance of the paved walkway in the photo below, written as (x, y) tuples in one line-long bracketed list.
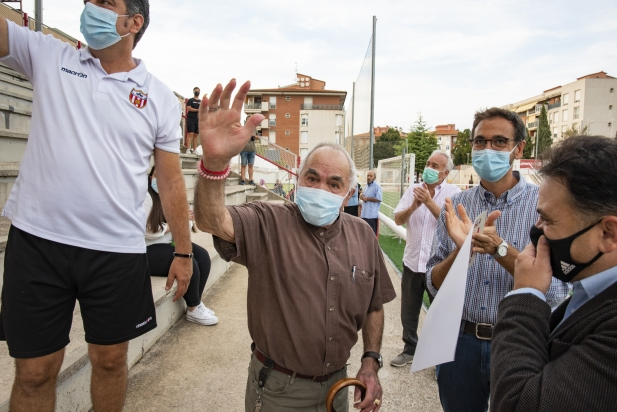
[(204, 368)]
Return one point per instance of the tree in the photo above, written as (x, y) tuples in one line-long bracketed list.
[(421, 142), (573, 131), (387, 145), (462, 148), (529, 150), (543, 134)]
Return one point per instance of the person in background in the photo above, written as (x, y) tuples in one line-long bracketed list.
[(247, 157), (291, 195), (419, 208), (565, 360), (278, 188), (192, 120), (159, 248), (497, 138), (262, 183), (354, 201), (372, 200)]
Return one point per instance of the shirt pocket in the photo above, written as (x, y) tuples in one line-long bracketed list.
[(356, 293)]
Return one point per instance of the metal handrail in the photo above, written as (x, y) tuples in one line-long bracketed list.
[(321, 107)]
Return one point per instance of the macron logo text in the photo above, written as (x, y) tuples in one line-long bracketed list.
[(84, 76)]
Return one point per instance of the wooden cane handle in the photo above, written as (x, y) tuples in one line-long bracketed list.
[(343, 383)]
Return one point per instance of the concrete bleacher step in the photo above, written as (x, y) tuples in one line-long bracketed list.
[(73, 389), (258, 196)]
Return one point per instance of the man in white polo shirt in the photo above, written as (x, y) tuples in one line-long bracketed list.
[(76, 208), (419, 208)]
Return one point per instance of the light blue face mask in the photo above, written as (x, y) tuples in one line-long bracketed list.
[(491, 165), (155, 187), (318, 207), (98, 25), (430, 175)]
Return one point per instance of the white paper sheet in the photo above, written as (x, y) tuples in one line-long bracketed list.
[(439, 335)]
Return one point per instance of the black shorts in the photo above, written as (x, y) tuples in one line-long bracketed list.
[(192, 125), (42, 280)]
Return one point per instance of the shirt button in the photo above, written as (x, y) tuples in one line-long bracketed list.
[(332, 278), (327, 364), (363, 272), (328, 247), (487, 282), (331, 308), (321, 234), (330, 338)]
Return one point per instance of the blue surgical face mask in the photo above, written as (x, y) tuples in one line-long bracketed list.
[(318, 207), (155, 187), (491, 165), (430, 175), (98, 25)]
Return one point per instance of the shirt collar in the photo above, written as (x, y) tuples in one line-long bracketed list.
[(321, 233), (139, 74), (596, 284), (509, 195)]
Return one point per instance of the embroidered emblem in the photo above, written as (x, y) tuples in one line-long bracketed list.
[(138, 98)]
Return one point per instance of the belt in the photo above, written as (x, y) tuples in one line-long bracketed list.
[(262, 358), (482, 331)]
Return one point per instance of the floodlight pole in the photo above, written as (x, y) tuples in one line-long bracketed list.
[(38, 15), (403, 172), (372, 131), (353, 101)]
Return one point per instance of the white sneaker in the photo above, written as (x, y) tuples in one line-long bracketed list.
[(201, 314)]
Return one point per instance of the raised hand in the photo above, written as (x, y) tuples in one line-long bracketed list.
[(222, 134), (533, 267), (488, 241), (457, 228), (422, 194)]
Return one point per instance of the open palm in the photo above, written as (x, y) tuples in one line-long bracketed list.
[(222, 134), (458, 228)]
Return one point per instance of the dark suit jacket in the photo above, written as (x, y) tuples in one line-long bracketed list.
[(537, 366)]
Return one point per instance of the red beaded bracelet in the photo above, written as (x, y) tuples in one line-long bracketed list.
[(208, 174)]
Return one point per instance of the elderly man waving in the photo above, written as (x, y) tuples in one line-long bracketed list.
[(304, 311)]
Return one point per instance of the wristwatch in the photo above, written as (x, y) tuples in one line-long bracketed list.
[(502, 250), (374, 355)]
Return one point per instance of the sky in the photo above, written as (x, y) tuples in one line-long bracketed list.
[(443, 58)]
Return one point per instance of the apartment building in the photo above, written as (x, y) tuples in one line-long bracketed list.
[(590, 101), (300, 115), (446, 137)]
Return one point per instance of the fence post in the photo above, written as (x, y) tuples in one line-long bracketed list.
[(403, 172)]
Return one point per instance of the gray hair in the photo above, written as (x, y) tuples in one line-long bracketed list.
[(449, 163), (142, 7), (353, 178)]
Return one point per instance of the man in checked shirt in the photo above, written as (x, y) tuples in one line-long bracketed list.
[(497, 138)]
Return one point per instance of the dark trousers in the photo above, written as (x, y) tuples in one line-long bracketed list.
[(413, 285), (372, 223), (351, 210), (161, 255), (464, 385)]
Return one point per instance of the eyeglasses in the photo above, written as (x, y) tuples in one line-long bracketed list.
[(497, 142)]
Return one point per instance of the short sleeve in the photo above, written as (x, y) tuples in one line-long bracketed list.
[(378, 193), (383, 292), (23, 44), (405, 201), (169, 133)]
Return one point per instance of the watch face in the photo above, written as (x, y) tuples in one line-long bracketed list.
[(502, 250)]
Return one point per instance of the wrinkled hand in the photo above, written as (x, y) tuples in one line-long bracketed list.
[(488, 241), (368, 375), (532, 268), (222, 134), (181, 270), (422, 194), (457, 228)]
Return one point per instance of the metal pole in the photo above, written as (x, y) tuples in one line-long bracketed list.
[(403, 172), (537, 141), (372, 131), (38, 15), (353, 101)]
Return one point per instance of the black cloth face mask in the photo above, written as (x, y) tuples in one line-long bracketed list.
[(196, 94), (563, 266)]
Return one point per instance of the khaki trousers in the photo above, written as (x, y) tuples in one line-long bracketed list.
[(284, 393)]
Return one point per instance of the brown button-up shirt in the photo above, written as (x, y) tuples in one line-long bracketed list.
[(304, 308)]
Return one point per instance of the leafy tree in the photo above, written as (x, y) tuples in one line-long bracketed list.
[(543, 135), (529, 150), (462, 148), (387, 145), (421, 142), (573, 131)]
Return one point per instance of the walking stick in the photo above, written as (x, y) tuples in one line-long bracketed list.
[(343, 383)]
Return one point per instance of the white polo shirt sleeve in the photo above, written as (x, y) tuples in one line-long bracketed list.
[(169, 132), (23, 44)]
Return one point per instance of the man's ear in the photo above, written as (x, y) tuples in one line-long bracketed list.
[(137, 23), (609, 239), (518, 153)]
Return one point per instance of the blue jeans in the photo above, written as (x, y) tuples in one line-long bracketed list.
[(247, 158), (464, 385)]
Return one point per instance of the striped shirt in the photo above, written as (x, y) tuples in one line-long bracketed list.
[(421, 225), (487, 281)]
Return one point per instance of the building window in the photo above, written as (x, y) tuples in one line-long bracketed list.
[(304, 120), (272, 102), (556, 117), (555, 131), (448, 148), (272, 119), (303, 153), (272, 136), (565, 99), (564, 116), (288, 98), (575, 113), (577, 96), (439, 139), (304, 137), (287, 132), (563, 129), (287, 115)]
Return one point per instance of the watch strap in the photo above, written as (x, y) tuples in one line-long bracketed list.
[(374, 355), (183, 255), (496, 255)]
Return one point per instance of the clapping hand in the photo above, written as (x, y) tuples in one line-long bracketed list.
[(222, 134), (457, 228)]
